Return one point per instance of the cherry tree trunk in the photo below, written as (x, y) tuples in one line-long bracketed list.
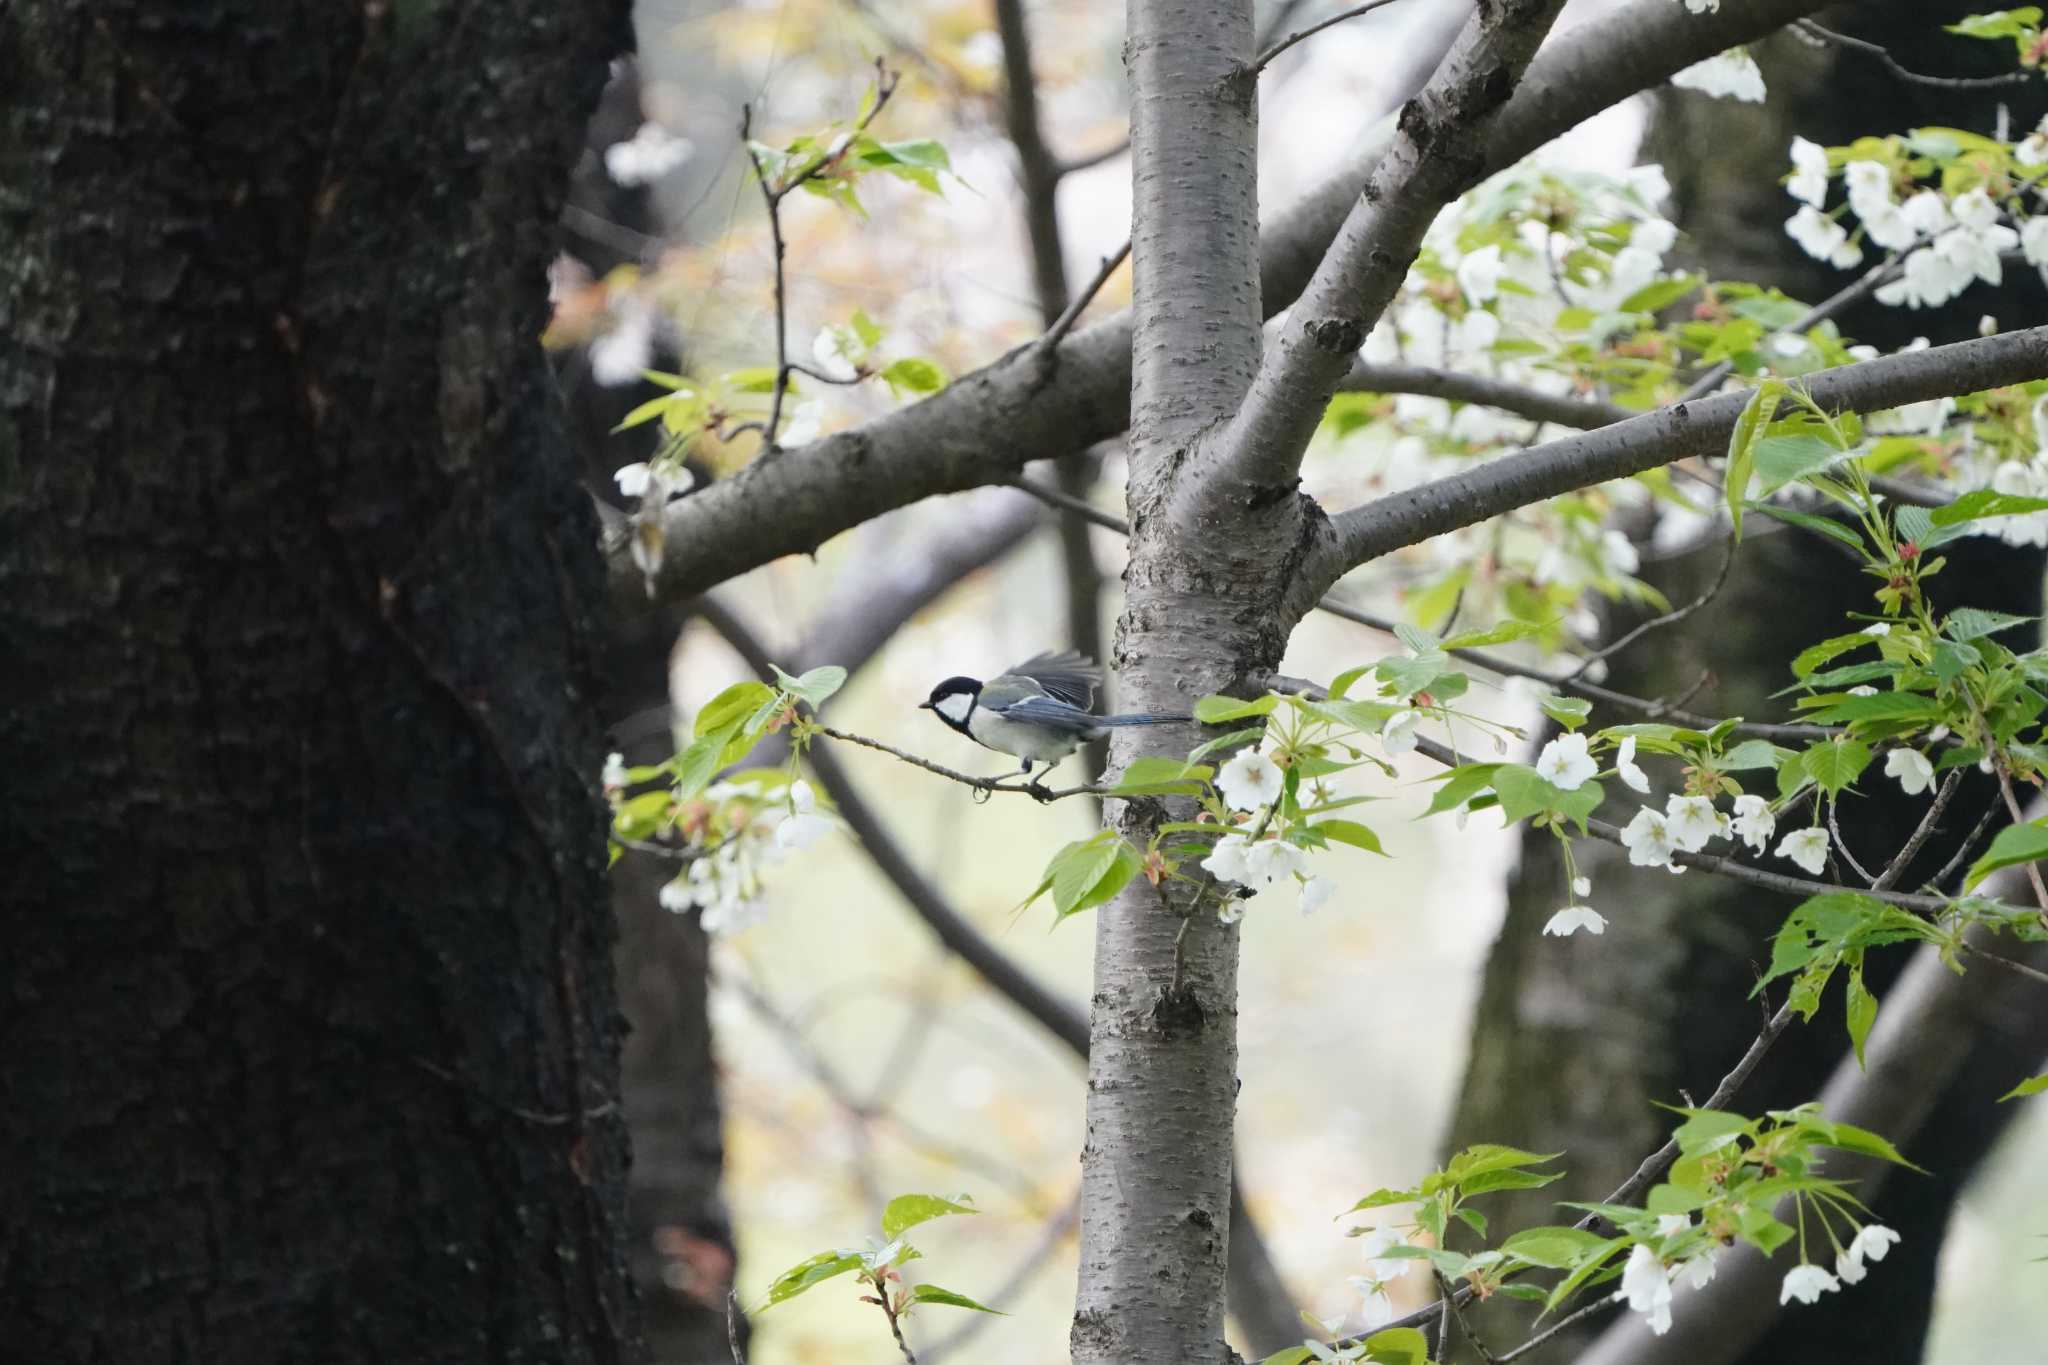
[(311, 1032)]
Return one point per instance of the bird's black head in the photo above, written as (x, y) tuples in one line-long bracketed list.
[(953, 700)]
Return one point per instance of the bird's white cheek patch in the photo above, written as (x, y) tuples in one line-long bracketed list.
[(956, 707)]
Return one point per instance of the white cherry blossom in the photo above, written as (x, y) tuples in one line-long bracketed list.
[(1691, 821), (1573, 918), (1250, 780), (1911, 768), (1807, 1283), (1565, 764), (1806, 847), (1753, 821)]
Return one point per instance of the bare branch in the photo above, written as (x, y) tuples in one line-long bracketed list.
[(1580, 414), (1810, 28), (1658, 438), (1265, 58), (1438, 150)]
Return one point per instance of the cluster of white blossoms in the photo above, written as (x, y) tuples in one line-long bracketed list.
[(1688, 823), (1807, 1283), (1381, 1270), (724, 880), (1251, 781), (1646, 1279)]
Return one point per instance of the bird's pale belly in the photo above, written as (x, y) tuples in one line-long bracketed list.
[(1034, 742)]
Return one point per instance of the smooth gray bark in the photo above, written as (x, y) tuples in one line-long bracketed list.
[(1162, 1057)]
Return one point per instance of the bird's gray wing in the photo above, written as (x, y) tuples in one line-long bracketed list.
[(1049, 712), (1067, 676)]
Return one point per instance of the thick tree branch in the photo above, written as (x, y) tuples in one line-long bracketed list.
[(1439, 150), (1028, 405), (1657, 438)]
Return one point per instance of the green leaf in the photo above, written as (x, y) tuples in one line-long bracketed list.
[(1341, 684), (816, 686), (1660, 294), (931, 1293), (1862, 1012), (913, 374), (1883, 706), (1524, 792), (1554, 1248), (801, 1276), (1350, 832), (1215, 710), (1952, 660), (1985, 503), (2033, 1085), (1813, 656), (1089, 871), (2005, 23), (646, 412), (2014, 844), (1706, 1129), (1973, 623), (1380, 1199), (1489, 1181), (639, 816), (1570, 712), (906, 1211), (1849, 1138), (1397, 1346), (1153, 775), (733, 707), (1752, 753), (1504, 633), (1834, 530), (1787, 459), (1742, 443), (1229, 741), (1459, 785), (1490, 1156), (1834, 764), (697, 764)]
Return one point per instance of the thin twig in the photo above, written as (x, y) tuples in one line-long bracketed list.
[(2031, 973), (1889, 878), (2012, 808), (984, 784), (1842, 847), (732, 1326), (1458, 1311), (771, 199), (1654, 1165), (895, 1324), (1868, 283), (1669, 618), (1827, 35), (1969, 845), (1064, 323), (1265, 58), (1564, 1323)]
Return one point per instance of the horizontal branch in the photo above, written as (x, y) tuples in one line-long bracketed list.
[(1580, 414), (1033, 404), (1657, 438)]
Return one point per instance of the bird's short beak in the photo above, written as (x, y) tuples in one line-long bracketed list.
[(924, 706)]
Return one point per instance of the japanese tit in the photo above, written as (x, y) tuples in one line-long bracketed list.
[(1038, 711)]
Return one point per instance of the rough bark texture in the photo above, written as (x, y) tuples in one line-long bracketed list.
[(311, 1032), (679, 1232), (1657, 1005), (1162, 1059)]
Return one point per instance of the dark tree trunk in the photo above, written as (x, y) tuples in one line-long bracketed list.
[(310, 1024), (1658, 1006)]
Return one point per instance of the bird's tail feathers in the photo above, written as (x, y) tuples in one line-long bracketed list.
[(1142, 718)]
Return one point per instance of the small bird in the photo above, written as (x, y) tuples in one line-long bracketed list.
[(1038, 711)]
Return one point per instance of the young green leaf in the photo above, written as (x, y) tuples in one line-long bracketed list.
[(906, 1211), (931, 1293), (804, 1274)]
